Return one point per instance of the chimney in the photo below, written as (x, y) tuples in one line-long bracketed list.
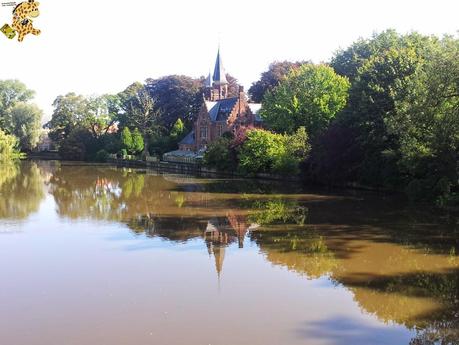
[(241, 92)]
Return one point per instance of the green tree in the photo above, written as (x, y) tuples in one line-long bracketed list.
[(178, 129), (25, 123), (70, 112), (12, 92), (144, 115), (96, 114), (426, 121), (271, 78), (126, 140), (360, 147), (309, 96), (137, 141), (177, 97)]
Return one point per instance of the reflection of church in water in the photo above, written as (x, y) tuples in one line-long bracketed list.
[(222, 232)]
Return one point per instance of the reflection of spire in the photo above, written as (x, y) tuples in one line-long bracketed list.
[(219, 254), (216, 241)]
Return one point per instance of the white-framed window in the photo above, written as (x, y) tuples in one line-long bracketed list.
[(220, 130)]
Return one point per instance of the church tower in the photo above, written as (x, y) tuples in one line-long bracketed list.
[(218, 84)]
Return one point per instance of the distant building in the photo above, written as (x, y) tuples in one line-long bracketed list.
[(45, 143), (219, 114)]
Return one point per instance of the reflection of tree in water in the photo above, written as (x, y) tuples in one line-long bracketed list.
[(396, 263), (397, 278), (21, 190), (302, 251), (278, 211), (106, 194)]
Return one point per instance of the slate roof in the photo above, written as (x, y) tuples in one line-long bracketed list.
[(220, 110), (189, 139), (219, 71)]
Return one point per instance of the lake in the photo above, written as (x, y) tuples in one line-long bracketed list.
[(93, 255)]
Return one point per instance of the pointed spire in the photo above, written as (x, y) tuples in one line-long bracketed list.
[(219, 72), (209, 80)]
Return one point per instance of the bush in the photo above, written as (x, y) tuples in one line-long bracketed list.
[(219, 155), (8, 147), (267, 152)]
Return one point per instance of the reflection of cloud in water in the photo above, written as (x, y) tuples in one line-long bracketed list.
[(342, 330)]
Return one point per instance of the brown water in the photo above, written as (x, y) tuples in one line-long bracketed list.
[(97, 255)]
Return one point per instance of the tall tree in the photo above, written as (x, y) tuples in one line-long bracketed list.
[(24, 121), (426, 120), (11, 93), (309, 96), (17, 116), (70, 112), (176, 97), (144, 115)]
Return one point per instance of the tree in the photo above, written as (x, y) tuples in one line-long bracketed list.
[(70, 112), (144, 115), (137, 141), (426, 121), (309, 96), (101, 114), (178, 129), (97, 114), (17, 116), (25, 123), (233, 86), (176, 97), (271, 78), (12, 92), (126, 140)]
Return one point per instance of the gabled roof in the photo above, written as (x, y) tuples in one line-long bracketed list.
[(219, 72), (189, 139), (221, 110)]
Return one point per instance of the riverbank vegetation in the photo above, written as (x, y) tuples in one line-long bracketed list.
[(383, 113)]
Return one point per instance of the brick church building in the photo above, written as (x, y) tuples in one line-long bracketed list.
[(219, 113)]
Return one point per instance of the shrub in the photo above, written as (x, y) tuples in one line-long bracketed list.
[(219, 156)]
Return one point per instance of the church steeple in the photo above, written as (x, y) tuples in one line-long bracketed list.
[(219, 71), (217, 85)]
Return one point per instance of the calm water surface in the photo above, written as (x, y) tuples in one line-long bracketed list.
[(97, 255)]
